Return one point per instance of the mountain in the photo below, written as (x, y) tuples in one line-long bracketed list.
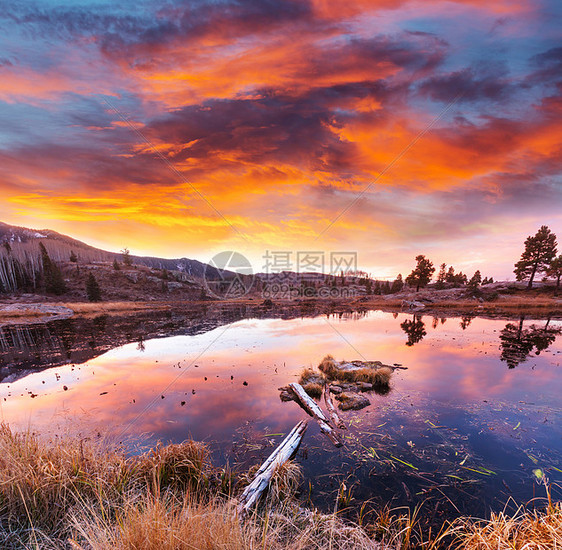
[(21, 266), (59, 247)]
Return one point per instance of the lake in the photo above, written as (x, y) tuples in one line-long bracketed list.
[(469, 426)]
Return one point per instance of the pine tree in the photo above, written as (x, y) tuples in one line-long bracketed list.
[(441, 278), (539, 252), (475, 280), (398, 284), (52, 276), (116, 265), (554, 271), (450, 277), (421, 275), (73, 257), (93, 289), (127, 260)]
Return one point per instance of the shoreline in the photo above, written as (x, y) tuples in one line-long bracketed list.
[(506, 306)]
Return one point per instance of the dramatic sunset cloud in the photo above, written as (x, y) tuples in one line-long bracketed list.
[(183, 128)]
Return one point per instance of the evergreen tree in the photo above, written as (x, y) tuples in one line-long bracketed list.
[(442, 277), (386, 288), (116, 265), (73, 257), (554, 271), (460, 279), (127, 260), (475, 280), (421, 275), (368, 287), (93, 289), (539, 252), (52, 276), (450, 277), (398, 284)]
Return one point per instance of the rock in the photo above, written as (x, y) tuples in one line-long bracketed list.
[(364, 386), (173, 285), (335, 389), (412, 304), (353, 401), (133, 277)]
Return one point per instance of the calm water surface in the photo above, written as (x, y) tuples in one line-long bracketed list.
[(462, 430)]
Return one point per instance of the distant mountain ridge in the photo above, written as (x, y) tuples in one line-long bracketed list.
[(24, 242)]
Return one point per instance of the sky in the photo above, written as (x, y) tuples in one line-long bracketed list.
[(385, 128)]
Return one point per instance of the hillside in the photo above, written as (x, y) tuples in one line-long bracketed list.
[(148, 278)]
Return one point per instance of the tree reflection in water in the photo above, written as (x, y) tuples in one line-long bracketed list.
[(466, 320), (415, 329), (517, 343)]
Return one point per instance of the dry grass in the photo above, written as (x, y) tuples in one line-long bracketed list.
[(85, 494), (169, 524), (379, 377), (312, 382), (329, 367), (314, 390), (41, 481), (525, 530), (85, 308), (163, 523), (309, 375), (285, 482)]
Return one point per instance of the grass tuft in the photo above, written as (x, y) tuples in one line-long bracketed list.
[(521, 531), (328, 367), (314, 390)]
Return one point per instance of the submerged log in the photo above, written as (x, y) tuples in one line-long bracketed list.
[(279, 456), (336, 420), (310, 406)]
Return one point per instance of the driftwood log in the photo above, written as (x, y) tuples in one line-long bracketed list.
[(336, 420), (310, 406), (280, 455)]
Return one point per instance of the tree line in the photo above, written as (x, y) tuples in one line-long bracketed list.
[(538, 257)]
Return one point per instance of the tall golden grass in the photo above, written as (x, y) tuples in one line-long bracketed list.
[(87, 494)]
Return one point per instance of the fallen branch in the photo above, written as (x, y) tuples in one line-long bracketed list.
[(280, 455), (336, 420), (307, 403)]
